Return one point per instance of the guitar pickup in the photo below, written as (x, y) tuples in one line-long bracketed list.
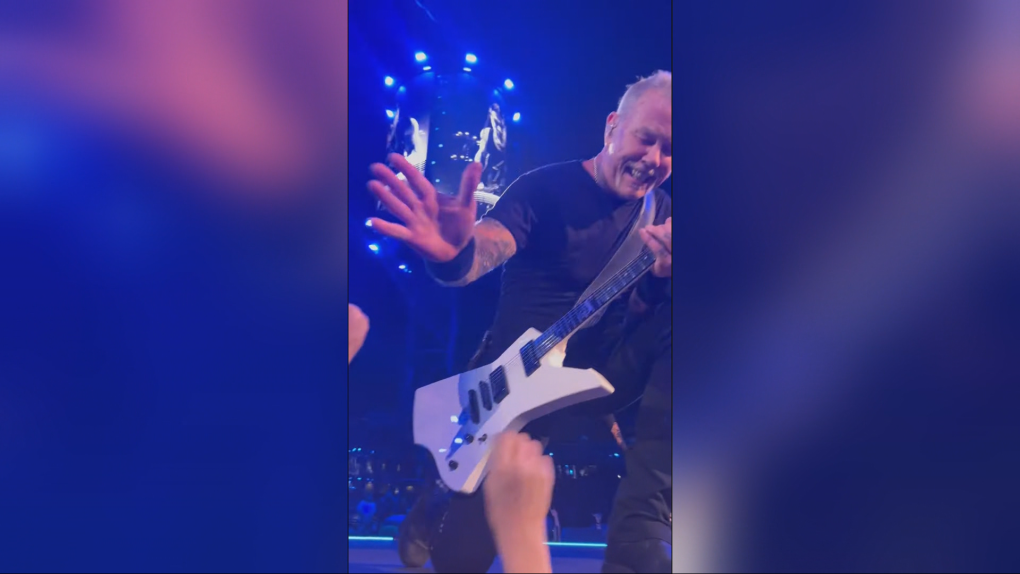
[(530, 359), (498, 381), (486, 393), (476, 415)]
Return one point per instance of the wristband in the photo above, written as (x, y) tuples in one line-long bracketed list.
[(456, 268)]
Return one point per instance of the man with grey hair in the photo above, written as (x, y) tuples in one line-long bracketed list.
[(555, 228)]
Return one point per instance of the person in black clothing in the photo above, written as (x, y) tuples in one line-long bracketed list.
[(555, 228)]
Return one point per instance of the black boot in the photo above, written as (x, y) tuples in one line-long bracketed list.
[(650, 556), (415, 532)]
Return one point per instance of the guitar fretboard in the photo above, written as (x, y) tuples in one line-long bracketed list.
[(585, 309)]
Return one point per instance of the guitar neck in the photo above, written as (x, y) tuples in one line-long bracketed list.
[(592, 304)]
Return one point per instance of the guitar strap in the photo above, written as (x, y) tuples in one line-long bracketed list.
[(627, 250)]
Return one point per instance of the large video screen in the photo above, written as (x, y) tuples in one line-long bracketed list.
[(443, 123)]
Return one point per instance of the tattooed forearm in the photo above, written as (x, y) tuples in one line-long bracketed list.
[(493, 246)]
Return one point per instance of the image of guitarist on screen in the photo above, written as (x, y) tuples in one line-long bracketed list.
[(492, 149), (408, 138), (553, 231)]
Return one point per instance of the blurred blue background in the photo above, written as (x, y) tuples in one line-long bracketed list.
[(848, 294), (172, 285)]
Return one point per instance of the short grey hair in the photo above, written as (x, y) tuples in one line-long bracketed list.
[(661, 81)]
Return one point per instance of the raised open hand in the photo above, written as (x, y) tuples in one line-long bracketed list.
[(436, 226)]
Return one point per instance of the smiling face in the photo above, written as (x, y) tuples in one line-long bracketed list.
[(638, 155)]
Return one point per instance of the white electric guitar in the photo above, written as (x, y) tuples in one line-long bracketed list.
[(457, 418), (484, 197)]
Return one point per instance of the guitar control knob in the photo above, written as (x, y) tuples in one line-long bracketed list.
[(468, 439), (453, 465)]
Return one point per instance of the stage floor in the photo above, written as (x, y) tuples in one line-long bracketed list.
[(365, 556)]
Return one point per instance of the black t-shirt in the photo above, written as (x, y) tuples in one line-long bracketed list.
[(566, 228)]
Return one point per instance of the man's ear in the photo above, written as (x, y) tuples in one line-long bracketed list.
[(611, 122)]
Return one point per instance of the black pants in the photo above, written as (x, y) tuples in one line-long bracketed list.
[(636, 357)]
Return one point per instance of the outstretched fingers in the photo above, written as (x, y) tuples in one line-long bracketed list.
[(469, 184), (389, 229), (386, 195), (422, 189)]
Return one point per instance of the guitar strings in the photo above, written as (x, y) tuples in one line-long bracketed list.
[(644, 260), (601, 291)]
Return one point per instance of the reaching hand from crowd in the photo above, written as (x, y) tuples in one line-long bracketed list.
[(357, 330), (518, 494)]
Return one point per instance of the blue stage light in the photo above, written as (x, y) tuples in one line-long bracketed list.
[(517, 116), (390, 114), (553, 544), (420, 56), (388, 81), (508, 84), (373, 247), (471, 59)]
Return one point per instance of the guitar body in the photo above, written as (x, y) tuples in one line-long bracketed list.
[(457, 418)]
